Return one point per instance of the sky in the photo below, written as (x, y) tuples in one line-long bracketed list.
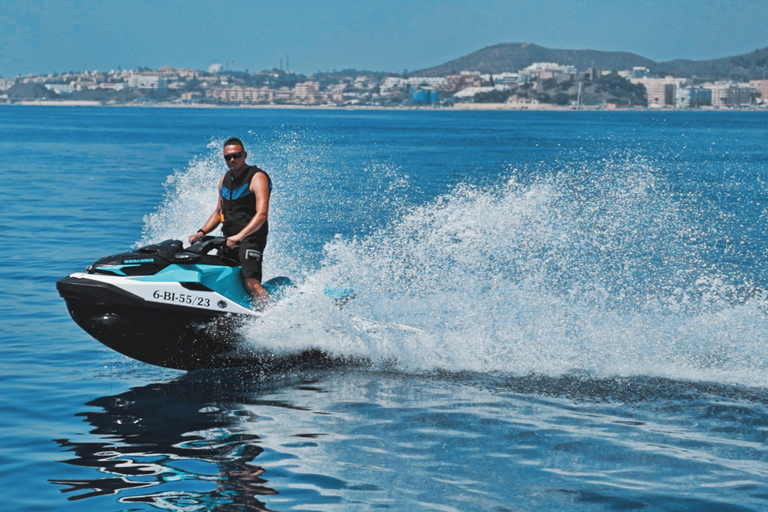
[(47, 36)]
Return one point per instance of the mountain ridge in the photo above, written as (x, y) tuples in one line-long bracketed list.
[(512, 57)]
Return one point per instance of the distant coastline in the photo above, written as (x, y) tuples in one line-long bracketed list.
[(515, 77), (459, 107)]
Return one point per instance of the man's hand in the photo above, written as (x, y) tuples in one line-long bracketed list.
[(195, 237), (232, 242)]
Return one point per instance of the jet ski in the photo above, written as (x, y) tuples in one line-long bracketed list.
[(168, 305)]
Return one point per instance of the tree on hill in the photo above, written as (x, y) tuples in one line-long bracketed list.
[(107, 95), (612, 88), (494, 96)]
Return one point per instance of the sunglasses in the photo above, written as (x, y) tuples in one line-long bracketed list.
[(233, 156)]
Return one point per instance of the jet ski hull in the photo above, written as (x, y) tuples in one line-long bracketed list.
[(159, 334)]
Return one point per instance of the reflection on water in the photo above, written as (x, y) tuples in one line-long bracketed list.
[(354, 438), (177, 445)]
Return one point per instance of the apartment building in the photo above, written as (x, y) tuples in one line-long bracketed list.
[(464, 80), (307, 93), (661, 92), (239, 94)]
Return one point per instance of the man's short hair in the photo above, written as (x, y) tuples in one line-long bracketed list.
[(232, 141)]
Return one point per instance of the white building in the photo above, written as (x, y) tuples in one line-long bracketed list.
[(426, 81), (84, 85), (545, 70), (468, 93), (522, 103), (506, 78), (148, 82), (392, 82), (61, 89), (118, 86), (471, 92), (365, 82), (550, 66)]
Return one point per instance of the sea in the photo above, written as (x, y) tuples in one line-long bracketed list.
[(553, 311)]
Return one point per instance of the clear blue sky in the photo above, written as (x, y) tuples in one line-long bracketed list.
[(43, 36)]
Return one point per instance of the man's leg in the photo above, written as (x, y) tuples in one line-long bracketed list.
[(258, 293), (250, 257)]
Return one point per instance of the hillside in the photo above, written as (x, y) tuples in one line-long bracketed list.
[(515, 56), (30, 91), (749, 66)]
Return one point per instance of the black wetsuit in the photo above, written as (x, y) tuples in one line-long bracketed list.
[(239, 207)]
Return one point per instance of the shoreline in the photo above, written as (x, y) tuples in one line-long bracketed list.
[(459, 107)]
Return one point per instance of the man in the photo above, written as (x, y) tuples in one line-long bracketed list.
[(243, 206)]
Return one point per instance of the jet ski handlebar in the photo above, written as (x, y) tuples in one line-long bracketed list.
[(206, 244)]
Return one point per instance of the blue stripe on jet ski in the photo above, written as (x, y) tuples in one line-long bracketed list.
[(237, 193)]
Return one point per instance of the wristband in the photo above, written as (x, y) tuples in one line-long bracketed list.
[(201, 231)]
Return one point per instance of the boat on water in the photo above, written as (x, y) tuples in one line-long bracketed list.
[(171, 306)]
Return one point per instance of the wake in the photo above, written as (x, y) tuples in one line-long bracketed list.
[(605, 270)]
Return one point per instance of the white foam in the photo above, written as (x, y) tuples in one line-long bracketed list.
[(601, 269)]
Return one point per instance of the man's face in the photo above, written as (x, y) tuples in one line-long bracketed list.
[(234, 155)]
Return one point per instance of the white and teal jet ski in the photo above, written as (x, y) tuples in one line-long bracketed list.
[(169, 306)]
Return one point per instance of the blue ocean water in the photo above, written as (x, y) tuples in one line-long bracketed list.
[(554, 311)]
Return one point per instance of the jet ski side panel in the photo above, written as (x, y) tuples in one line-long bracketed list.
[(158, 333)]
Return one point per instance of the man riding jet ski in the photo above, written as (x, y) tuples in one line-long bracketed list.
[(242, 209), (181, 308)]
